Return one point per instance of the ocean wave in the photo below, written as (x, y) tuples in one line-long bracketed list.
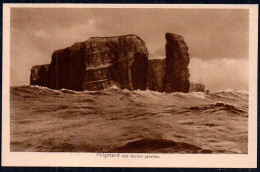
[(218, 106), (114, 87), (123, 120), (159, 145), (228, 91), (200, 95), (136, 95)]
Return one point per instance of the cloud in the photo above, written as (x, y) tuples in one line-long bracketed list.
[(220, 74), (31, 47)]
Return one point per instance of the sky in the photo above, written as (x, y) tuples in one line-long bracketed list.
[(218, 39)]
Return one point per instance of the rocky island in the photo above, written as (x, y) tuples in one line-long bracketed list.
[(101, 62)]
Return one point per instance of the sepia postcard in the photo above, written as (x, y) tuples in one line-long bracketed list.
[(129, 85)]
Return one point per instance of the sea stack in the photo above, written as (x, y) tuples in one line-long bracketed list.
[(101, 62), (177, 61)]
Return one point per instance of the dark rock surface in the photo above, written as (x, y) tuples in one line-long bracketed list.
[(156, 74), (197, 87), (40, 75), (101, 62), (177, 61)]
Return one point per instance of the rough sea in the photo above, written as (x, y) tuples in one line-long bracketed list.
[(114, 120)]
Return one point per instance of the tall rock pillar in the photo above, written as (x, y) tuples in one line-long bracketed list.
[(177, 61)]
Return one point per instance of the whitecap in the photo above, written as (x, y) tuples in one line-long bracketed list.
[(200, 95)]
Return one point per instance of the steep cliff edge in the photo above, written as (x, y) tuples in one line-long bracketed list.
[(99, 63), (177, 61)]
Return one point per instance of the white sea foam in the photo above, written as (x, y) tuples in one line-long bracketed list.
[(200, 95), (114, 87)]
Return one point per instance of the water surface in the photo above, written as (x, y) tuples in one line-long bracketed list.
[(114, 120)]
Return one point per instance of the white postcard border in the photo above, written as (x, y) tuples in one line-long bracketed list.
[(52, 159)]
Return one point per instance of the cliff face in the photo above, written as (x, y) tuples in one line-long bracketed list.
[(99, 63), (156, 74), (40, 75), (177, 61)]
